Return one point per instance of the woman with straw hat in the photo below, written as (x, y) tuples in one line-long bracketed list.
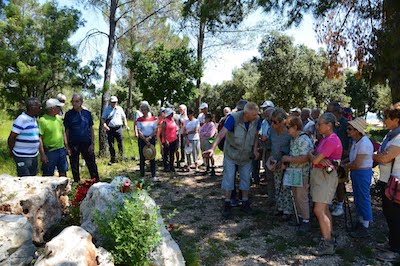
[(360, 166)]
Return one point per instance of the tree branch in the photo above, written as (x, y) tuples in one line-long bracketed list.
[(143, 20), (92, 33), (126, 3)]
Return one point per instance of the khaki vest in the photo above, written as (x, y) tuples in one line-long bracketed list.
[(239, 143)]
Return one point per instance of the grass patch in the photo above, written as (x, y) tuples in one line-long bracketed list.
[(243, 253), (281, 246), (205, 227), (215, 252)]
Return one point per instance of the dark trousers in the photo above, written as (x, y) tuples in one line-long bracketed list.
[(89, 157), (182, 146), (391, 211), (169, 155), (112, 134), (142, 144), (26, 166)]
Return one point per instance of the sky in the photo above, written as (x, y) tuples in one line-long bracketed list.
[(216, 70)]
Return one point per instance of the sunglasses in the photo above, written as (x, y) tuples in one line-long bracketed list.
[(275, 122), (349, 129), (288, 126)]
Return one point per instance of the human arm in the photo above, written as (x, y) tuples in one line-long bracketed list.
[(66, 137), (355, 165), (222, 133), (387, 155), (43, 156), (11, 141)]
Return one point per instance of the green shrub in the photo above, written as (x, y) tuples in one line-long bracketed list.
[(130, 230)]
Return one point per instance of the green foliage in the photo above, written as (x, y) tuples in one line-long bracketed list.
[(293, 75), (130, 229), (36, 58), (165, 75)]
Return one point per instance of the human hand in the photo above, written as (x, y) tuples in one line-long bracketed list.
[(285, 159), (44, 159), (208, 153), (128, 128), (91, 148), (106, 128)]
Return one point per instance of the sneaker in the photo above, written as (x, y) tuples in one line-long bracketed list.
[(111, 162), (246, 207), (227, 211), (325, 247), (155, 179), (304, 228), (360, 232), (337, 212)]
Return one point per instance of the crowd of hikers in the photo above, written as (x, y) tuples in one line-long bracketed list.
[(307, 156)]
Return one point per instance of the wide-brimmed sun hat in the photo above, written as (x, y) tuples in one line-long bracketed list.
[(360, 124), (149, 152)]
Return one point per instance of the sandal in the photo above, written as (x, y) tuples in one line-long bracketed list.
[(388, 256)]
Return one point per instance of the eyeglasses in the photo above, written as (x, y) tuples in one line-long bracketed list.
[(349, 129), (275, 122)]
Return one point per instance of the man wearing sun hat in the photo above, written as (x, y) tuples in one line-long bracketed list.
[(113, 119), (53, 145), (360, 166)]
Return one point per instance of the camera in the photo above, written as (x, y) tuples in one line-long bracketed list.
[(329, 169)]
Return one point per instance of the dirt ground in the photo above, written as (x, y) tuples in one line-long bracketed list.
[(191, 203)]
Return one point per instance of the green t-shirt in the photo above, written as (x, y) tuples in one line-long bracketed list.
[(52, 131)]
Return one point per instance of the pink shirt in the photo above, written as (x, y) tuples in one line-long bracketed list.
[(330, 147), (207, 130), (170, 130)]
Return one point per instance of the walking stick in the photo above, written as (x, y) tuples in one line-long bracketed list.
[(294, 206)]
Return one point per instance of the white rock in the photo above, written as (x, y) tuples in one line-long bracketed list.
[(16, 246), (42, 200), (102, 195), (73, 246)]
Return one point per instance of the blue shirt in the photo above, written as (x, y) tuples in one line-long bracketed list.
[(78, 124), (114, 115), (230, 124)]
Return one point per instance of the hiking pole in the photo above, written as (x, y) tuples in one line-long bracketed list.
[(294, 206), (347, 211)]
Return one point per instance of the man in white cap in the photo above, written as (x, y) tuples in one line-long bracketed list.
[(295, 112), (113, 119), (203, 112), (61, 98), (24, 141), (53, 141)]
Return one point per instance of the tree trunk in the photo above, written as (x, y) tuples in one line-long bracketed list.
[(130, 87), (103, 145), (200, 44)]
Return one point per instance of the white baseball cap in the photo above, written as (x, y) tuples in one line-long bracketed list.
[(61, 97), (53, 103), (168, 111), (114, 99), (203, 105), (296, 109), (267, 104)]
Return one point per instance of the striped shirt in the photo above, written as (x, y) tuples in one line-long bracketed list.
[(146, 125), (27, 141)]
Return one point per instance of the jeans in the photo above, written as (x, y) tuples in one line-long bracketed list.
[(195, 151), (142, 144), (228, 179), (112, 134), (56, 158), (26, 166), (89, 157)]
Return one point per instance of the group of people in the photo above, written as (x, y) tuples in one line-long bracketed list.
[(305, 154), (54, 135)]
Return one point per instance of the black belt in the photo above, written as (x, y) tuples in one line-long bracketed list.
[(117, 127)]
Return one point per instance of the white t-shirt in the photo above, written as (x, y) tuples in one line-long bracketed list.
[(363, 146), (190, 126), (385, 168), (201, 118)]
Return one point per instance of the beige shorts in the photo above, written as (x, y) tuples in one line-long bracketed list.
[(323, 185)]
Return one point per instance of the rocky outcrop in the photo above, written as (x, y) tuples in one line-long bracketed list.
[(102, 195), (16, 246), (42, 200), (73, 246)]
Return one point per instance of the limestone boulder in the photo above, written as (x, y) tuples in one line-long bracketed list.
[(16, 247), (73, 246), (101, 195), (42, 200)]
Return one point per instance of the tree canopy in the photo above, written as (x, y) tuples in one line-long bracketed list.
[(36, 58)]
